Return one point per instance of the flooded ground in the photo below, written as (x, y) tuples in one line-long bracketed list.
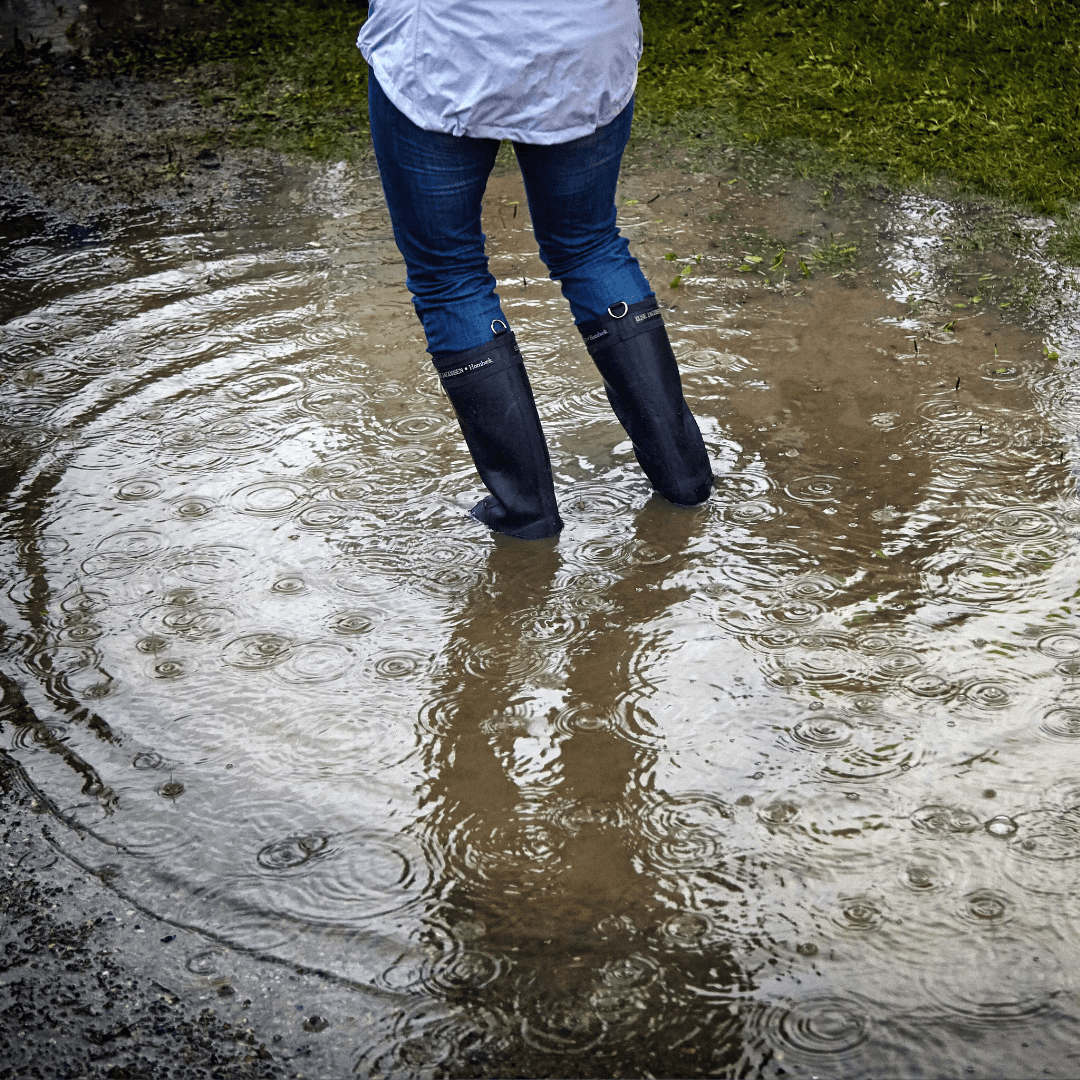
[(781, 786)]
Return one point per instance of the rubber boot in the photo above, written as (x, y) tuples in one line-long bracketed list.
[(630, 348), (491, 395)]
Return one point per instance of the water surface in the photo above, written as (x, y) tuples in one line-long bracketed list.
[(784, 785)]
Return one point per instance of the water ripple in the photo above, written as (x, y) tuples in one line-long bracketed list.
[(258, 651), (1060, 645), (817, 489), (987, 984), (1062, 722), (1024, 523), (346, 881), (316, 662), (821, 1027), (976, 579), (688, 831), (291, 852), (269, 497), (822, 731), (936, 819), (986, 907), (928, 872), (860, 914)]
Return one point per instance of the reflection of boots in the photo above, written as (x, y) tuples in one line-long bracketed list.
[(490, 392), (630, 347)]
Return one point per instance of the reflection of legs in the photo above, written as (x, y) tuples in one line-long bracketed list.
[(571, 189), (472, 799), (548, 866), (598, 674), (434, 184), (601, 769)]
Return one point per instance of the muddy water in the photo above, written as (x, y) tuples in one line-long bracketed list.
[(785, 785)]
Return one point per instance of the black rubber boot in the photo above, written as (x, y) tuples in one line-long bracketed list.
[(491, 395), (630, 347)]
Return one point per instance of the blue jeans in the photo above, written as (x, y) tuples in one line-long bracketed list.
[(434, 184)]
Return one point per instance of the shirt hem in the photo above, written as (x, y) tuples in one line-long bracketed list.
[(403, 104)]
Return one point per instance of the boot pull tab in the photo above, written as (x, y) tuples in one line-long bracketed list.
[(622, 315), (498, 322)]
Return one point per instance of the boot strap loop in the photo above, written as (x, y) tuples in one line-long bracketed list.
[(606, 332)]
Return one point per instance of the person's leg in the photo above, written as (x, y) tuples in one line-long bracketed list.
[(489, 389), (434, 184), (630, 348), (571, 190)]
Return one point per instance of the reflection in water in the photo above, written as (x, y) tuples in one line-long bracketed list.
[(565, 934), (779, 786)]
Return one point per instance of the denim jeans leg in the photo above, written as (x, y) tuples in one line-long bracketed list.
[(571, 191), (434, 184)]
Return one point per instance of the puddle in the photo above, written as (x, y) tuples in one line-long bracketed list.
[(780, 786)]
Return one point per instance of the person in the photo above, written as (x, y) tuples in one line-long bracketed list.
[(448, 80)]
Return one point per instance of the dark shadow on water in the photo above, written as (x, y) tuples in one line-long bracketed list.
[(566, 951)]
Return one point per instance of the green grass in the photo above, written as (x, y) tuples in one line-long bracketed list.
[(835, 255), (300, 83), (982, 93), (288, 73)]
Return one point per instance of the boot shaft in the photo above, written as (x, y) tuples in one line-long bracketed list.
[(491, 395), (631, 350)]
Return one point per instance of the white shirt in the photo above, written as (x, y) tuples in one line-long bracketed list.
[(533, 71)]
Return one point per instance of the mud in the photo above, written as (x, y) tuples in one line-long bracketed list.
[(79, 137), (93, 145), (93, 987)]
